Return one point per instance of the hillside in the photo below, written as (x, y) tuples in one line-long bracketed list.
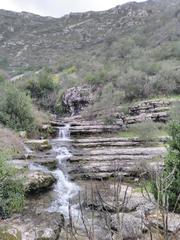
[(28, 41), (90, 124)]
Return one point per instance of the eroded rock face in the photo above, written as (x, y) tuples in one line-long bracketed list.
[(155, 110), (77, 98), (36, 181)]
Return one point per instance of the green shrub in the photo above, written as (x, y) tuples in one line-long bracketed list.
[(167, 187), (172, 166), (11, 188), (164, 83), (1, 79), (134, 84), (40, 85), (149, 67), (71, 70), (176, 50), (16, 109), (146, 131), (163, 52), (4, 62), (97, 78)]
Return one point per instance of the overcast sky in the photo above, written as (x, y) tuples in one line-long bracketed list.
[(58, 8)]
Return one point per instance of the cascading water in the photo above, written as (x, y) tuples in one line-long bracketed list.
[(65, 189), (64, 133)]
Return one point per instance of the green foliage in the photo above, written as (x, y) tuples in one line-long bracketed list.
[(148, 66), (1, 79), (124, 47), (146, 131), (3, 63), (176, 50), (172, 167), (134, 84), (96, 78), (167, 187), (40, 85), (11, 188), (71, 70), (16, 109), (175, 112)]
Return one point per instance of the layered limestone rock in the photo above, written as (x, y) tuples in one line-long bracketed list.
[(155, 110), (103, 162), (77, 98)]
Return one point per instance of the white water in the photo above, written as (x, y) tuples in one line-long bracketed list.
[(65, 189), (64, 133)]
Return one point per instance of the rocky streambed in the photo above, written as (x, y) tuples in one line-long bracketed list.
[(85, 184)]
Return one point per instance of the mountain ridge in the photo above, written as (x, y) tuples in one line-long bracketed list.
[(31, 41)]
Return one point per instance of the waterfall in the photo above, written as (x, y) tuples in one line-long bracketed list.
[(64, 133), (65, 189)]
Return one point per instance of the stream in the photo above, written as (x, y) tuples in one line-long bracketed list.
[(65, 190)]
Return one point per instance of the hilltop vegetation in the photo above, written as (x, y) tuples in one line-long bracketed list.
[(127, 53)]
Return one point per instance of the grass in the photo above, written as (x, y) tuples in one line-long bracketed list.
[(170, 98), (146, 186), (10, 141), (127, 134), (130, 133)]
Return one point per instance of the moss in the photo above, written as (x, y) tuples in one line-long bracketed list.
[(8, 233)]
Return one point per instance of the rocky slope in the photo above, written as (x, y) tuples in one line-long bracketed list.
[(28, 40)]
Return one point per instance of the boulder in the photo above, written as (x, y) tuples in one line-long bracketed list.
[(36, 181), (128, 200), (33, 226), (155, 220), (49, 227), (76, 98), (128, 226)]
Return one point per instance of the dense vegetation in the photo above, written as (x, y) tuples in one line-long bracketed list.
[(172, 168), (15, 108), (140, 72), (166, 186), (11, 188)]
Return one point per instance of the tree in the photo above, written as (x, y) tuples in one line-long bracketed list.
[(16, 109), (172, 167)]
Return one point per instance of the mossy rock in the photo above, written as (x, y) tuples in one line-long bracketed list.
[(9, 233)]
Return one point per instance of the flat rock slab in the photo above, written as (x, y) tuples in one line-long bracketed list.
[(147, 151), (49, 163)]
